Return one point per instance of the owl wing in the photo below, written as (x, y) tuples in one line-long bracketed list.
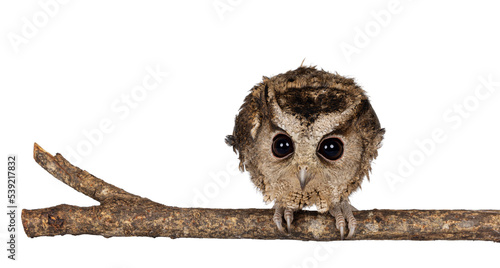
[(247, 122), (368, 125)]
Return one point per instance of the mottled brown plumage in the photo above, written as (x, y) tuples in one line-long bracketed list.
[(327, 131)]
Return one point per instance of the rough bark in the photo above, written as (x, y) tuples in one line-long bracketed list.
[(123, 214)]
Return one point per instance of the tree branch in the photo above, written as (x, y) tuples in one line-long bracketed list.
[(123, 214)]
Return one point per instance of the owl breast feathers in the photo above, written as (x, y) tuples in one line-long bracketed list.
[(307, 137)]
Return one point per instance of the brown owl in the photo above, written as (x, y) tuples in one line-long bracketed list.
[(307, 137)]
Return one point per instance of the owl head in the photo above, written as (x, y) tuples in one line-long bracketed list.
[(307, 137)]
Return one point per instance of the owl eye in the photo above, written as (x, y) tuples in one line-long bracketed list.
[(282, 145), (331, 148)]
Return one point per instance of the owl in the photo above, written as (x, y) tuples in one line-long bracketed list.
[(307, 137)]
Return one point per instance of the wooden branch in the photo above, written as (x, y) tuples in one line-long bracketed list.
[(123, 214)]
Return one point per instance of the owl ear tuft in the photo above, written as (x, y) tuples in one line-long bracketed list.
[(230, 140)]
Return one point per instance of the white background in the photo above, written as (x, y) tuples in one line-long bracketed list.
[(420, 61)]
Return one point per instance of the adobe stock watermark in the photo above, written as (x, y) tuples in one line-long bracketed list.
[(32, 25), (364, 36), (219, 181), (321, 253), (453, 118), (222, 7), (121, 107)]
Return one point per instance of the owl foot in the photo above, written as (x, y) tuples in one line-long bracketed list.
[(342, 211), (281, 212)]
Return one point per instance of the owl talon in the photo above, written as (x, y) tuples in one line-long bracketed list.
[(351, 231), (278, 218), (347, 211), (289, 219), (341, 212), (279, 225), (339, 220), (279, 214), (341, 232)]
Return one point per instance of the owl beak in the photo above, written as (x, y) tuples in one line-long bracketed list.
[(304, 177)]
